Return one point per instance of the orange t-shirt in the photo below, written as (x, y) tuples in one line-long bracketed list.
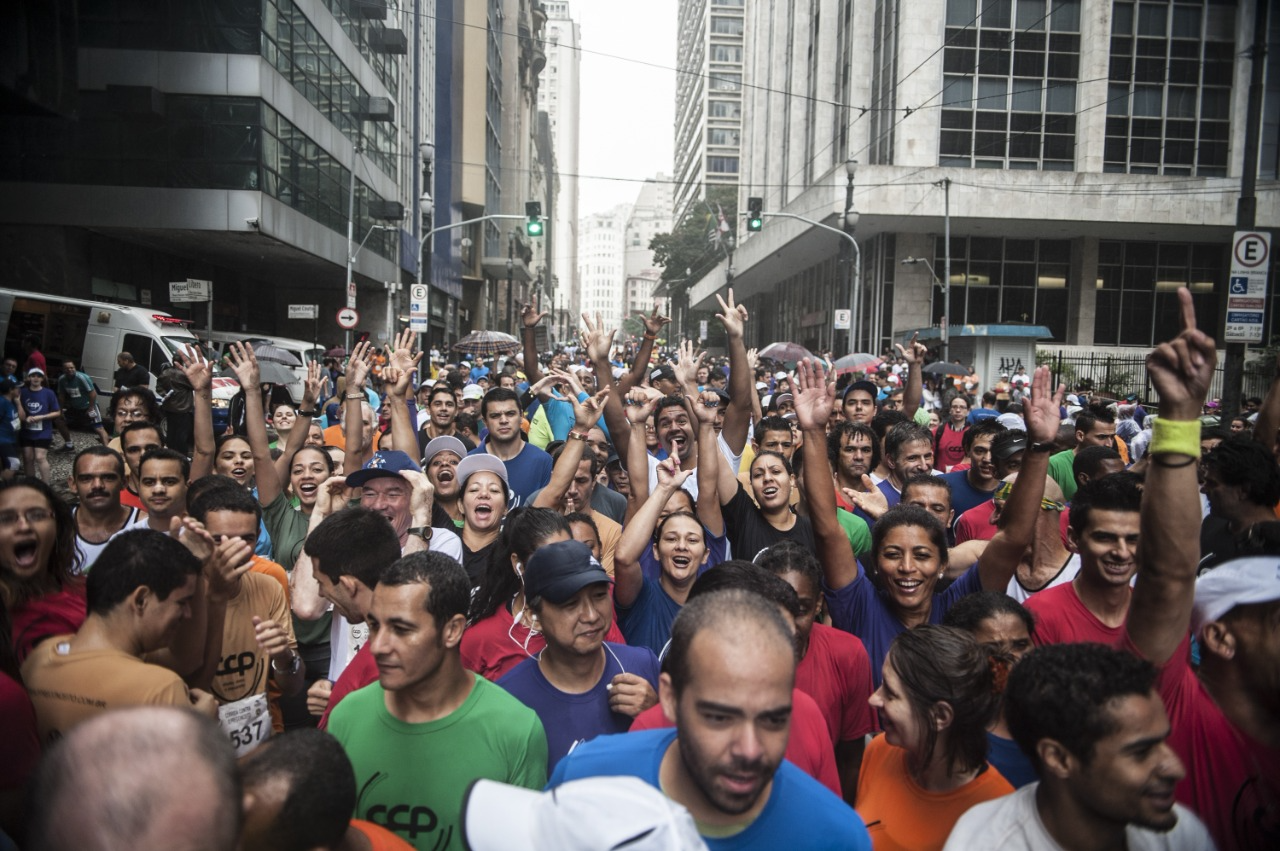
[(901, 816), (380, 839), (267, 567), (333, 436)]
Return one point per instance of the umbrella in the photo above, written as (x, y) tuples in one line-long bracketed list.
[(857, 361), (944, 368), (270, 372), (336, 352), (275, 354), (487, 343), (785, 352)]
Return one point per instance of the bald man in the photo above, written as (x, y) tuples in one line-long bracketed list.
[(146, 779), (1047, 561)]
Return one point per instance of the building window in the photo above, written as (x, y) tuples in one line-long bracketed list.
[(722, 165), (724, 109), (722, 82), (1138, 285), (1009, 85), (1003, 281), (722, 137), (725, 53), (726, 26), (1169, 99)]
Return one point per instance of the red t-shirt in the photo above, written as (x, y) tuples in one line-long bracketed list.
[(975, 524), (380, 839), (836, 673), (809, 747), (360, 672), (59, 613), (1061, 618), (20, 744), (1232, 781), (949, 449), (494, 646), (131, 499)]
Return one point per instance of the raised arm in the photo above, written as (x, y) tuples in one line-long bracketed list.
[(530, 316), (716, 482), (814, 398), (1160, 612), (268, 490), (914, 354), (757, 411), (638, 534), (199, 374), (359, 365), (652, 325), (641, 402), (596, 342), (1018, 522), (585, 415), (403, 360), (737, 417), (304, 590), (244, 363)]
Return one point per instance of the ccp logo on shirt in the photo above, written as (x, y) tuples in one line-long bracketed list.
[(404, 819)]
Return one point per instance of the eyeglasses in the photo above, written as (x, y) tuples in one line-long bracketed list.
[(31, 515), (1006, 489)]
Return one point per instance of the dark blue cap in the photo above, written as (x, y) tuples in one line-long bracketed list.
[(383, 464), (558, 571)]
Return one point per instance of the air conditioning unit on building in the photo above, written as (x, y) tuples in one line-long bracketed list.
[(373, 109), (387, 211), (372, 10), (388, 40)]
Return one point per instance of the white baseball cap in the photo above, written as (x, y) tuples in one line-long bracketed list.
[(593, 814), (1254, 579)]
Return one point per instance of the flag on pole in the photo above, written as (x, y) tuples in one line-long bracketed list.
[(724, 225)]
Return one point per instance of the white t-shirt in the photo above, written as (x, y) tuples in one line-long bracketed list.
[(1068, 572), (1012, 823), (691, 483), (89, 553)]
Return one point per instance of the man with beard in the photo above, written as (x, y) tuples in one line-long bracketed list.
[(1091, 721), (975, 485), (1095, 426), (908, 451), (528, 467), (727, 684), (162, 486), (1104, 531), (854, 452), (97, 478)]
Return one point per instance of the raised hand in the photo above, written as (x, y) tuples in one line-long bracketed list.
[(595, 340), (670, 476), (753, 359), (244, 363), (196, 367), (423, 494), (543, 386), (1042, 411), (231, 560), (733, 316), (814, 395), (705, 407), (915, 352), (191, 533), (1182, 369), (401, 355), (529, 315), (312, 384), (564, 376), (588, 412), (687, 364), (641, 403), (396, 380), (330, 496), (359, 365), (654, 321), (872, 501)]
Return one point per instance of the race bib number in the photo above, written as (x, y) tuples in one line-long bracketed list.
[(246, 722), (73, 392), (16, 423), (35, 426)]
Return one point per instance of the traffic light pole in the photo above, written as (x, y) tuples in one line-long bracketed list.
[(854, 330), (489, 218)]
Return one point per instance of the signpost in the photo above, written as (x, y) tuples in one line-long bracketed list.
[(351, 295), (842, 320), (193, 290), (1247, 286), (308, 311), (418, 308), (348, 318)]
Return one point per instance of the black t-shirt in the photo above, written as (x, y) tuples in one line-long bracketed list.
[(424, 438), (134, 376), (475, 563), (1218, 544), (749, 532)]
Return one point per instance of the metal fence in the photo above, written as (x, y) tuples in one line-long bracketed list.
[(1116, 376)]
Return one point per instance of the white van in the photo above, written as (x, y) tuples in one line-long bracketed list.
[(91, 333), (219, 341)]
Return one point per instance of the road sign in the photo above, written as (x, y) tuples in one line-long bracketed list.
[(304, 311), (418, 292), (190, 290), (1247, 286), (418, 318), (351, 295), (348, 318), (842, 319)]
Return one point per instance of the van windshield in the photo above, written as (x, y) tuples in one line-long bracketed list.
[(175, 344)]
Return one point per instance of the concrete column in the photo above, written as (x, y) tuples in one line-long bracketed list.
[(912, 285), (1082, 291)]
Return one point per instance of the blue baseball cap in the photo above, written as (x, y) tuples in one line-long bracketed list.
[(383, 464), (557, 571)]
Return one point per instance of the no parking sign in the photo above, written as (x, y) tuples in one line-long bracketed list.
[(1247, 286)]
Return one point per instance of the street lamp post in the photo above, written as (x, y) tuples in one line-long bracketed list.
[(426, 206), (849, 223), (946, 303), (857, 257), (353, 254)]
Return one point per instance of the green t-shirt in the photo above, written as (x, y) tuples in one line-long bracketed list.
[(288, 529), (855, 528), (1060, 470), (412, 777)]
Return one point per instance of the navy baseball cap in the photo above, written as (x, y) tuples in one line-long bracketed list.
[(868, 386), (558, 571), (662, 372), (383, 464)]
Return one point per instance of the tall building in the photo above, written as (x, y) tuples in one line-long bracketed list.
[(708, 97), (220, 140), (558, 96), (1085, 156), (602, 264), (650, 215)]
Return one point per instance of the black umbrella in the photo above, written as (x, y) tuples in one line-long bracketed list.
[(944, 368)]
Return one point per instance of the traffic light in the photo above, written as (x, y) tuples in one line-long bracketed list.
[(534, 226), (755, 218)]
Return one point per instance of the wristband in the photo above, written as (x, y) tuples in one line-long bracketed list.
[(1175, 437), (651, 336), (1041, 447), (354, 396), (294, 666), (312, 414), (578, 435)]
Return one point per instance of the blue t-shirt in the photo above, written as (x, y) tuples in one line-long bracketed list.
[(860, 608), (571, 719), (717, 551), (647, 621), (964, 495), (977, 415), (77, 388), (892, 495), (9, 422), (37, 402), (800, 812), (526, 473), (1010, 761)]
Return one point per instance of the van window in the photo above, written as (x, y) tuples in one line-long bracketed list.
[(144, 352)]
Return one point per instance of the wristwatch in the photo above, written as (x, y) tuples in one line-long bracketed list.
[(305, 413), (1040, 447), (294, 666), (423, 532)]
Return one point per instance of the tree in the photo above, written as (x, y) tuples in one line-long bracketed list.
[(692, 248)]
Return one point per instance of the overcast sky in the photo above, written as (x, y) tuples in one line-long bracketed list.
[(627, 108)]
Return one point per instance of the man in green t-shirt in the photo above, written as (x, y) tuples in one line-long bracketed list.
[(79, 400), (1095, 426), (428, 727)]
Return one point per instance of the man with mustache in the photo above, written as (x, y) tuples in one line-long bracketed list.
[(97, 478), (975, 485)]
